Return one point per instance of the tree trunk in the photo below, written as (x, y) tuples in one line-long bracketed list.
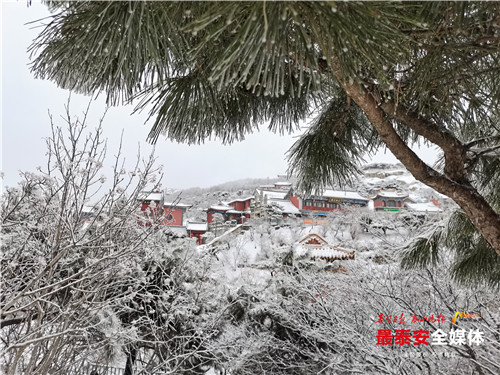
[(131, 356), (482, 215)]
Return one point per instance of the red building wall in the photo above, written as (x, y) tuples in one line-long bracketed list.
[(241, 205), (295, 201), (238, 205), (177, 216), (314, 208), (381, 203), (173, 216), (211, 214)]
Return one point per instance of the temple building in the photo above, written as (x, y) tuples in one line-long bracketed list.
[(319, 249), (156, 210), (389, 200), (275, 199), (328, 201), (236, 210), (197, 229)]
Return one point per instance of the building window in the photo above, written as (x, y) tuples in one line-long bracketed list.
[(169, 217), (391, 203), (308, 202), (319, 203)]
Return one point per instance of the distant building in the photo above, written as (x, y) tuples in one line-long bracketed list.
[(282, 197), (156, 210), (389, 200), (197, 229), (328, 201), (237, 210), (275, 199), (318, 248)]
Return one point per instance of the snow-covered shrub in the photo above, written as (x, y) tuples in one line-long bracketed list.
[(87, 284)]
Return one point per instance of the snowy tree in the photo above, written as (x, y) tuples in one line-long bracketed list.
[(82, 282), (323, 322)]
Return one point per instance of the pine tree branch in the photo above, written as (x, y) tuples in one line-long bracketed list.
[(477, 208), (482, 140), (454, 151)]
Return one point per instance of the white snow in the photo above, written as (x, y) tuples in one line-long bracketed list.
[(239, 200), (219, 238), (197, 226), (273, 194), (238, 212), (178, 231), (391, 194), (407, 179), (423, 207), (343, 194), (220, 207), (285, 206), (329, 252)]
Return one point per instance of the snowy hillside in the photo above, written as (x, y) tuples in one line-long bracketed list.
[(375, 177)]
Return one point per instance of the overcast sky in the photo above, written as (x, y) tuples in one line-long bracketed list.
[(25, 123)]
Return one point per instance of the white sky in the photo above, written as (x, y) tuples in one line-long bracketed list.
[(25, 123)]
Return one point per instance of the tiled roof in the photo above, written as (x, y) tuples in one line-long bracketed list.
[(197, 226), (342, 194)]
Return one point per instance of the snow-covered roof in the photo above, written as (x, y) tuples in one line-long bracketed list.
[(238, 212), (220, 207), (240, 200), (330, 252), (275, 194), (149, 196), (342, 194), (314, 237), (285, 206), (390, 194), (283, 183), (180, 205), (423, 207), (318, 247), (197, 226)]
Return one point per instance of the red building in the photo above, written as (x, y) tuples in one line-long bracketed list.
[(163, 213), (237, 209), (328, 201), (197, 229), (389, 200)]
